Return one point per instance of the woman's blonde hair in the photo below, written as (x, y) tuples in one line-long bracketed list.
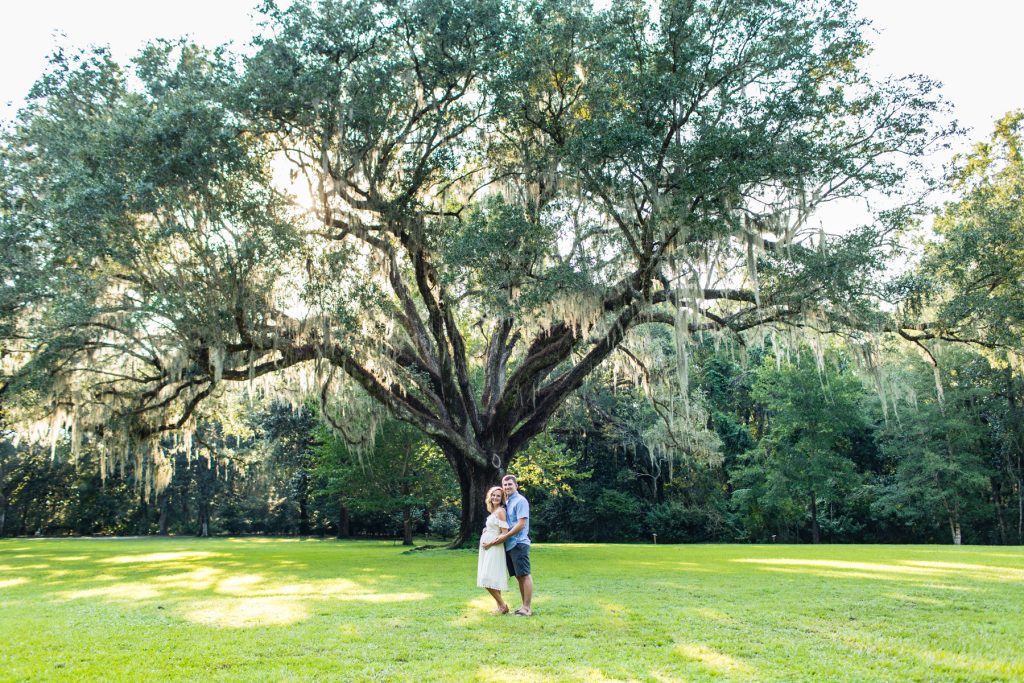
[(487, 498)]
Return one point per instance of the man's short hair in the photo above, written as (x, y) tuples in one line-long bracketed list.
[(510, 476)]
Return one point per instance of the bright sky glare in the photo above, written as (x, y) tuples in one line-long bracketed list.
[(973, 48)]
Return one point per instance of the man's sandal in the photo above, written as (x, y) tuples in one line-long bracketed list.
[(523, 613)]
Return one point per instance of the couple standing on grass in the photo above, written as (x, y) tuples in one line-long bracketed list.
[(505, 546)]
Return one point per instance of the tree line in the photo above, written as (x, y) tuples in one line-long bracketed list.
[(803, 453)]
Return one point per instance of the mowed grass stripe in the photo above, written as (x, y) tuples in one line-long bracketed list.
[(259, 609)]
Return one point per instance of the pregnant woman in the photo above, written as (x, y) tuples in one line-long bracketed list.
[(491, 572)]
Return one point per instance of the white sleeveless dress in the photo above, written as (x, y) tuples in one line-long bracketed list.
[(491, 571)]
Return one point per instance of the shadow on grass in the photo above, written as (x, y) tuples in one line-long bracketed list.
[(224, 588)]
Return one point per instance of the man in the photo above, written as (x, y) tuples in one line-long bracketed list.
[(517, 541)]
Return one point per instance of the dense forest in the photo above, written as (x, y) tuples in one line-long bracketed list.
[(679, 267)]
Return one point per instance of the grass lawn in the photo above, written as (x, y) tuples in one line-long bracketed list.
[(278, 609)]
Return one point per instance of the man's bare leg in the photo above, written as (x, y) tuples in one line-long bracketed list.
[(526, 592)]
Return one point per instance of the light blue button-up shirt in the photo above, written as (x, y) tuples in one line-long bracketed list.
[(517, 508)]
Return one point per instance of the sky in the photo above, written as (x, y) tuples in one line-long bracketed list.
[(972, 47)]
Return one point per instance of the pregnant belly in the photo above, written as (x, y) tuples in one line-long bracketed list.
[(488, 536)]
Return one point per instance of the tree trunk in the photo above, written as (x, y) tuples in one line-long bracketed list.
[(997, 501), (184, 473), (474, 480), (143, 528), (953, 515), (344, 521), (3, 482), (406, 516), (1018, 476), (1020, 509), (406, 526), (204, 520), (164, 503), (205, 487), (303, 515), (815, 530)]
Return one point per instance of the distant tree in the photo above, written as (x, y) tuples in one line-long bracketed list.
[(940, 449), (1007, 387), (7, 452), (607, 470), (548, 465), (401, 473), (971, 283), (731, 409), (288, 439), (44, 491), (805, 458), (972, 275)]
